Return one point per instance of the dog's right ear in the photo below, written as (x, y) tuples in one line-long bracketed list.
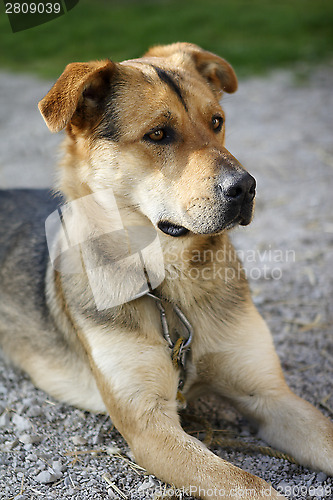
[(216, 71), (81, 85)]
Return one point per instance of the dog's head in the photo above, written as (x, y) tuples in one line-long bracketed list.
[(153, 130)]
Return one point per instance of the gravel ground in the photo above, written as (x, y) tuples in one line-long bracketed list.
[(280, 127)]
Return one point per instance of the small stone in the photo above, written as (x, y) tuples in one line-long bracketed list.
[(20, 408), (311, 479), (46, 477), (283, 485), (21, 423), (69, 481), (113, 450), (321, 477), (4, 461), (99, 438), (30, 439), (148, 484), (45, 456), (9, 445), (58, 467), (34, 411), (79, 440), (40, 465), (32, 457), (4, 419), (51, 417)]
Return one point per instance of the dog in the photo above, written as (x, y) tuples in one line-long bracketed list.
[(133, 299)]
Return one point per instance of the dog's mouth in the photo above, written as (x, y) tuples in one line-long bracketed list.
[(176, 231), (172, 229), (243, 218)]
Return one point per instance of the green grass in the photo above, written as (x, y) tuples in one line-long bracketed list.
[(254, 35)]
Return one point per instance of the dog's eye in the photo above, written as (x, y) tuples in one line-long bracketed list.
[(157, 135), (217, 122), (163, 135)]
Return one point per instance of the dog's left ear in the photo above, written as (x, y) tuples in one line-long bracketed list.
[(76, 94), (217, 71)]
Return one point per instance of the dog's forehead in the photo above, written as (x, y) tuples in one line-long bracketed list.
[(178, 61), (173, 75), (155, 69)]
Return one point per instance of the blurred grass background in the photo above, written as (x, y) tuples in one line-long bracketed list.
[(254, 35)]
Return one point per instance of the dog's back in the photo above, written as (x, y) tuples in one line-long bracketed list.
[(23, 251), (23, 260)]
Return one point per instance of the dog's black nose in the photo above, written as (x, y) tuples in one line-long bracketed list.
[(239, 187)]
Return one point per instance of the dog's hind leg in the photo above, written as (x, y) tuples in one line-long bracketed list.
[(61, 374), (246, 370), (139, 385)]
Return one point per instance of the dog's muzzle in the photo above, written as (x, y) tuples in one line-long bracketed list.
[(228, 201), (237, 190)]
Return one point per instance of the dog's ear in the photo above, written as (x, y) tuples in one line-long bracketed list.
[(80, 88), (218, 72)]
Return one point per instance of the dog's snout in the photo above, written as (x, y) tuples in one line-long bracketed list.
[(239, 188)]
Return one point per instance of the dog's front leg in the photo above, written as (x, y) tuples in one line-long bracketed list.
[(246, 369), (139, 384)]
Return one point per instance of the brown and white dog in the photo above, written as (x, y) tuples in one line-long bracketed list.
[(147, 136)]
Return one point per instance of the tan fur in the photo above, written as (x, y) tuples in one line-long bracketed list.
[(127, 364)]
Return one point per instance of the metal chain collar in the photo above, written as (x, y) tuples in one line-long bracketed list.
[(181, 347)]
